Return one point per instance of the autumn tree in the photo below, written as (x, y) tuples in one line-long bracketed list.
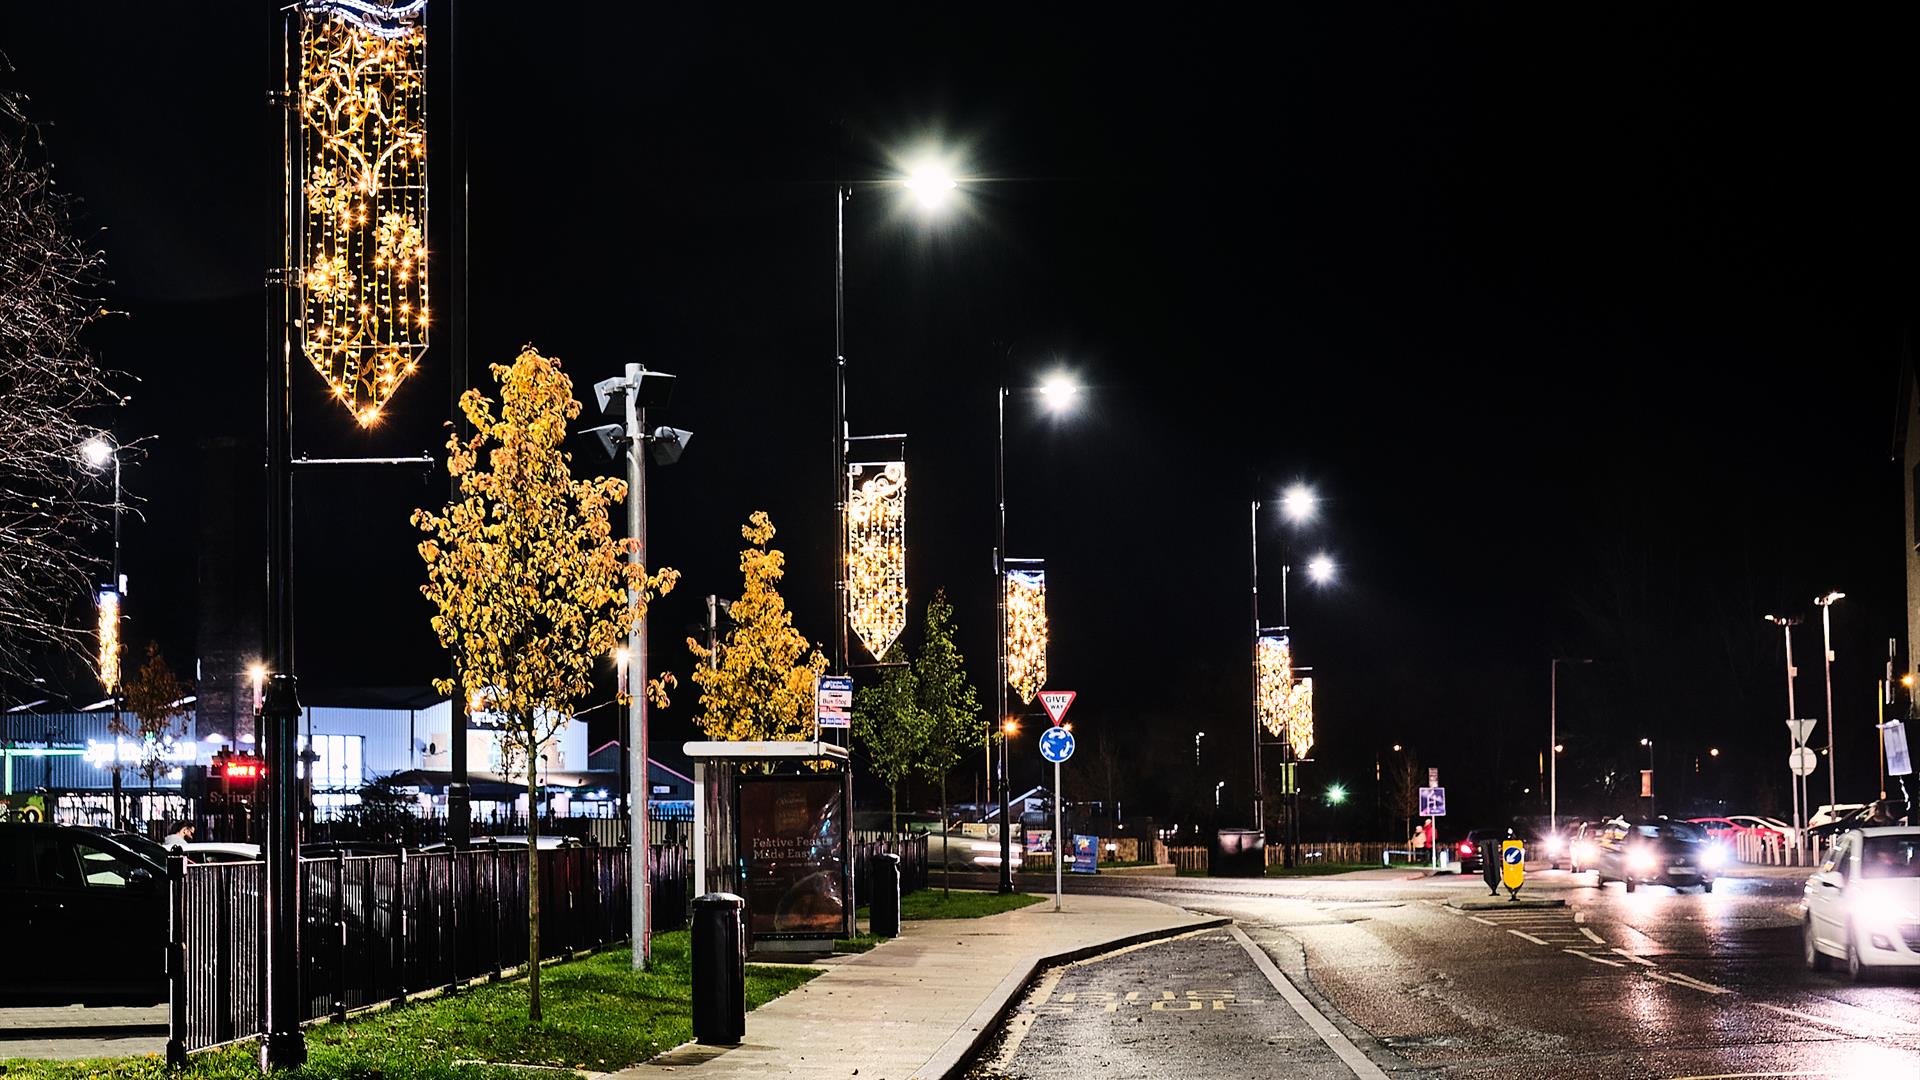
[(949, 707), (891, 725), (154, 717), (530, 588), (52, 511), (761, 686)]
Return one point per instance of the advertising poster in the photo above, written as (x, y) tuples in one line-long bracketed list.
[(792, 833), (1039, 841), (1086, 854)]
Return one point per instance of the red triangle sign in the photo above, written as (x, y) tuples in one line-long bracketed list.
[(1056, 703)]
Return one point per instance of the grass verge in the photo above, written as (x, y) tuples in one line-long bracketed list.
[(599, 1015), (930, 903), (1318, 869)]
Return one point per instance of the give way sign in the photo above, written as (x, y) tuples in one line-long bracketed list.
[(1057, 702)]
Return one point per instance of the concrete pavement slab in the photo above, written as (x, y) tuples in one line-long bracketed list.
[(917, 1007)]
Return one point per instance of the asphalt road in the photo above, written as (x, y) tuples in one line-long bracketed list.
[(1657, 984)]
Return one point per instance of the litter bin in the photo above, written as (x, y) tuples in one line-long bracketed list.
[(884, 905), (719, 969), (1238, 853)]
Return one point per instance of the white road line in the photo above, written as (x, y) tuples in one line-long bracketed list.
[(1844, 1029), (1362, 1066), (1691, 984), (1636, 959), (1478, 919), (1595, 959), (1529, 937), (1591, 936), (1579, 916), (1701, 983)]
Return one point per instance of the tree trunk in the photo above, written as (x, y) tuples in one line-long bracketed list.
[(533, 884), (946, 866), (893, 809)]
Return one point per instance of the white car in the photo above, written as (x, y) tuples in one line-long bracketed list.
[(1863, 904), (971, 852), (209, 852)]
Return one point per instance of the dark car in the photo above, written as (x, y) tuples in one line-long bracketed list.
[(88, 916), (1472, 852), (1658, 851)]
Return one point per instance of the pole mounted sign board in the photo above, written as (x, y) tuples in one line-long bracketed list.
[(833, 701), (1056, 744), (1894, 734), (1433, 802), (1513, 866), (1057, 702), (1802, 761), (1800, 729)]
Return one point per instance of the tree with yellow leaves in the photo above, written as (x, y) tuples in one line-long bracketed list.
[(761, 687), (155, 717), (530, 588)]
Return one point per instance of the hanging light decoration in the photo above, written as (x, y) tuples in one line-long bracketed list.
[(877, 554), (361, 224), (1286, 703), (109, 639), (1026, 632)]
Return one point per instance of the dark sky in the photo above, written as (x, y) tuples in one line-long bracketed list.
[(1587, 330)]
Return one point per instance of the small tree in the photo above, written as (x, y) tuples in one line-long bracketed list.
[(762, 686), (155, 716), (890, 722), (528, 584), (949, 707)]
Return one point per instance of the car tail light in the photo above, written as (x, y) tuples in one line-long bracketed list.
[(1466, 847)]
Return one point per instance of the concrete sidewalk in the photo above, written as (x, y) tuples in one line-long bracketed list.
[(915, 1007), (79, 1031)]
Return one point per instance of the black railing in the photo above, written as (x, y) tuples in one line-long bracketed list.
[(912, 850), (379, 928)]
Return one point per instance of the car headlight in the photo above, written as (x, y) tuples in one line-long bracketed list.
[(1642, 861), (1583, 851), (1713, 857), (1555, 845), (1881, 911)]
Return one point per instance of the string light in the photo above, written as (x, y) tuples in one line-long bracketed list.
[(1286, 703), (361, 236), (877, 554), (1026, 632), (109, 639)]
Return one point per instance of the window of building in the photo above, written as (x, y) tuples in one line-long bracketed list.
[(337, 764)]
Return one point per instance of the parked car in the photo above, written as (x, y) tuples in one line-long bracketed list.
[(1829, 813), (1863, 904), (213, 852), (1657, 851), (88, 915), (1472, 852)]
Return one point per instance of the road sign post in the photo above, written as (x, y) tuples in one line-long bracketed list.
[(1513, 866), (1056, 745), (832, 702), (1433, 804)]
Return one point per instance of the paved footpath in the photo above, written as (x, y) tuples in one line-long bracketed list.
[(913, 1008), (76, 1031)]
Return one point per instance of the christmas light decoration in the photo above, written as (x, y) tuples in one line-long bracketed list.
[(361, 169), (1026, 632), (1286, 703), (877, 554), (109, 640)]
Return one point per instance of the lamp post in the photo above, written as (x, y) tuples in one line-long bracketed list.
[(638, 390), (1058, 393), (1299, 504), (1795, 782), (1197, 736), (1826, 640), (98, 452), (1553, 740)]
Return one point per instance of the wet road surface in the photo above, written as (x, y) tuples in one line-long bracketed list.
[(1654, 984)]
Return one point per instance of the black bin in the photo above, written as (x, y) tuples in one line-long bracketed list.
[(884, 902), (1238, 853), (719, 969)]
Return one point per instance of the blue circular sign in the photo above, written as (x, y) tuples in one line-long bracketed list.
[(1056, 744)]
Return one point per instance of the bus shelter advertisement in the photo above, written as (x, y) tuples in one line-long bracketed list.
[(793, 839)]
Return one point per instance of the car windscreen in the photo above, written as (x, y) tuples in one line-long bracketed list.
[(1685, 832), (1890, 857)]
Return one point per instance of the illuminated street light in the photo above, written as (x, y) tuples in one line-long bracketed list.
[(1320, 568), (97, 451), (1059, 393), (1713, 751), (1299, 504), (1825, 604), (931, 183), (1336, 794)]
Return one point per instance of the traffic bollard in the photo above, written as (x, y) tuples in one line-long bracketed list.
[(719, 969), (884, 905)]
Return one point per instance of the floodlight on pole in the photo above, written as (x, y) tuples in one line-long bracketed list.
[(1320, 569), (1059, 392), (1299, 503), (931, 183)]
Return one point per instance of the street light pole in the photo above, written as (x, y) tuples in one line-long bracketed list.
[(639, 831), (1794, 781), (1000, 584), (1259, 775), (1826, 640)]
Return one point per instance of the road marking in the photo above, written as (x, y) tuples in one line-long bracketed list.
[(1636, 959), (1105, 956), (1362, 1066), (1478, 919), (1529, 937), (1689, 982), (1022, 1021), (1579, 916), (1595, 959), (1593, 937)]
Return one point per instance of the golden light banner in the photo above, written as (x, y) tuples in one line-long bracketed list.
[(1026, 632), (877, 553), (362, 171), (1286, 703), (109, 640)]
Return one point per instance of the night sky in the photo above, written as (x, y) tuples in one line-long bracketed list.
[(1587, 332)]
